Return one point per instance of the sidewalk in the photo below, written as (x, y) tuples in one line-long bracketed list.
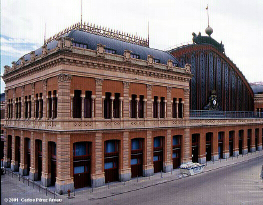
[(117, 188)]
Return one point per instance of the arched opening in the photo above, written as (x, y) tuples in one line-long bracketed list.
[(177, 151), (231, 139), (82, 164), (209, 146), (27, 155), (249, 136), (240, 144), (136, 157), (52, 168), (111, 160), (9, 150), (256, 138), (158, 154), (17, 153), (195, 147), (220, 144), (39, 158)]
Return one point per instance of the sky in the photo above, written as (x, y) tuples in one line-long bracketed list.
[(237, 23)]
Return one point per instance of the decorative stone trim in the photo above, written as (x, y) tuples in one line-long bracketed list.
[(64, 77), (100, 50), (98, 81)]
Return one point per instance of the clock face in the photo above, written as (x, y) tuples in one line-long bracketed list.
[(214, 102)]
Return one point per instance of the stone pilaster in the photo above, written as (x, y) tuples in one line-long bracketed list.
[(168, 163), (125, 172), (149, 102), (82, 105), (126, 102), (158, 108), (148, 169), (33, 173), (252, 138), (45, 177), (22, 102), (111, 106), (186, 146), (63, 100), (226, 145), (97, 177), (185, 106), (22, 168), (32, 100), (64, 181), (137, 107), (169, 103), (98, 100), (71, 104), (14, 165), (44, 97)]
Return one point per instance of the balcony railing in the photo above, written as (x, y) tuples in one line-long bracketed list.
[(224, 114)]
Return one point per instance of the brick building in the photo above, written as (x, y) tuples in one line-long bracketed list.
[(93, 106)]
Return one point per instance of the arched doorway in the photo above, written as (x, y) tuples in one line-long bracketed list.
[(195, 147), (209, 146), (82, 164), (220, 144), (17, 153), (177, 151), (240, 144), (52, 150), (39, 158), (111, 160), (136, 157), (158, 154)]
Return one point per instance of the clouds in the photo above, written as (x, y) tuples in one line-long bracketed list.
[(237, 23)]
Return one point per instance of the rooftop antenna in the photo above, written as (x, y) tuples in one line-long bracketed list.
[(148, 34), (81, 15), (208, 30), (45, 33)]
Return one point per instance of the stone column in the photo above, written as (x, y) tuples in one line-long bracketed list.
[(168, 163), (99, 104), (22, 102), (125, 172), (252, 138), (236, 143), (63, 100), (14, 164), (45, 176), (137, 107), (111, 106), (32, 100), (260, 143), (148, 168), (165, 108), (121, 102), (226, 145), (149, 102), (202, 149), (71, 104), (82, 105), (126, 102), (22, 168), (97, 175), (144, 108), (158, 107), (44, 97), (169, 101), (64, 181), (6, 160), (93, 97), (176, 106), (33, 174)]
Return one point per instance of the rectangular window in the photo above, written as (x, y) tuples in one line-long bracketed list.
[(80, 149), (135, 144), (175, 155), (37, 107), (135, 56), (134, 161), (141, 107), (133, 106), (116, 106), (111, 146), (78, 170), (156, 60), (77, 104), (55, 106), (180, 108), (155, 158), (157, 142), (108, 50), (107, 106), (176, 140), (155, 107), (108, 165), (162, 108), (87, 104)]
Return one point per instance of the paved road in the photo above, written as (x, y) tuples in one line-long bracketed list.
[(238, 184)]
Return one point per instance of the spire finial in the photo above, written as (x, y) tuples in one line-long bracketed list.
[(208, 30)]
